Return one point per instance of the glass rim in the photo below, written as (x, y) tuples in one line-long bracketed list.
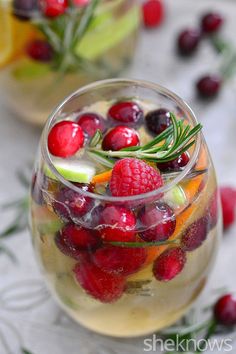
[(141, 83)]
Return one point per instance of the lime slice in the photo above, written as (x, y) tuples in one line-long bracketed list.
[(29, 69), (176, 197), (108, 34), (73, 170)]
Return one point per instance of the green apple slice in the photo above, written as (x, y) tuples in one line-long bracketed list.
[(176, 197), (73, 170), (27, 69)]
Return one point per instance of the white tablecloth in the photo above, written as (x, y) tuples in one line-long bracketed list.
[(34, 320)]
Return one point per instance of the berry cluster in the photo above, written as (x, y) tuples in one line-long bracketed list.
[(188, 42)]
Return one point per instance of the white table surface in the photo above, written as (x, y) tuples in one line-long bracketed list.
[(37, 323)]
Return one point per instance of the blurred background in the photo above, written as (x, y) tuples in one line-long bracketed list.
[(40, 63)]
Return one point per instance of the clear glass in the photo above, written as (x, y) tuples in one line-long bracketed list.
[(32, 88), (147, 304)]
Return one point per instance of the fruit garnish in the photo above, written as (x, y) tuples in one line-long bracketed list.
[(166, 146), (176, 197), (120, 137), (209, 86), (228, 202), (91, 122), (153, 13), (27, 69), (53, 8), (40, 50), (125, 112), (81, 171), (102, 286), (23, 9), (118, 224), (132, 177), (169, 264), (225, 310), (120, 260), (175, 165), (195, 234), (159, 222), (158, 120), (211, 22), (188, 41), (102, 177), (65, 139)]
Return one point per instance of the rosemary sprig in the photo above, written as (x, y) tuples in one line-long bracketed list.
[(165, 147), (144, 244)]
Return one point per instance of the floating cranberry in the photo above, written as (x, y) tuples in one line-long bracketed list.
[(126, 112), (23, 9), (228, 202), (65, 139), (91, 122), (153, 13), (169, 264), (102, 286), (71, 252), (69, 204), (159, 222), (188, 41), (120, 260), (157, 121), (120, 137), (118, 224), (53, 8), (40, 50), (195, 234), (209, 86), (174, 165), (211, 22), (225, 310)]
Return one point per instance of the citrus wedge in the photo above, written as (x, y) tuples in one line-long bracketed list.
[(6, 45)]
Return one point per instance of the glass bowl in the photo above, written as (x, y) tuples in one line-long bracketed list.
[(43, 57), (145, 304)]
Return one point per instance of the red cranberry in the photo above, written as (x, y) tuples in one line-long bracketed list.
[(23, 9), (117, 224), (153, 13), (102, 286), (188, 41), (209, 86), (169, 264), (228, 202), (225, 310), (91, 122), (65, 139), (40, 50), (120, 137), (120, 260), (157, 121), (211, 22), (159, 219), (53, 8), (72, 252), (195, 234), (174, 165), (69, 204), (125, 112)]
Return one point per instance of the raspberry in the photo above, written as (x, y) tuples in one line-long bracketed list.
[(133, 177), (153, 13), (169, 264), (228, 202), (102, 286), (120, 260)]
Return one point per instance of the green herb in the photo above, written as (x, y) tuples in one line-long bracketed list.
[(25, 351), (143, 244), (165, 147)]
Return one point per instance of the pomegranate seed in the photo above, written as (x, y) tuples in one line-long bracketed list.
[(209, 86), (169, 264), (125, 112), (118, 224), (195, 234), (153, 13), (120, 137), (53, 8), (91, 122), (120, 260), (65, 139), (157, 121), (102, 286), (228, 202), (159, 220), (69, 204), (225, 310), (174, 165), (211, 22), (188, 41), (40, 50)]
